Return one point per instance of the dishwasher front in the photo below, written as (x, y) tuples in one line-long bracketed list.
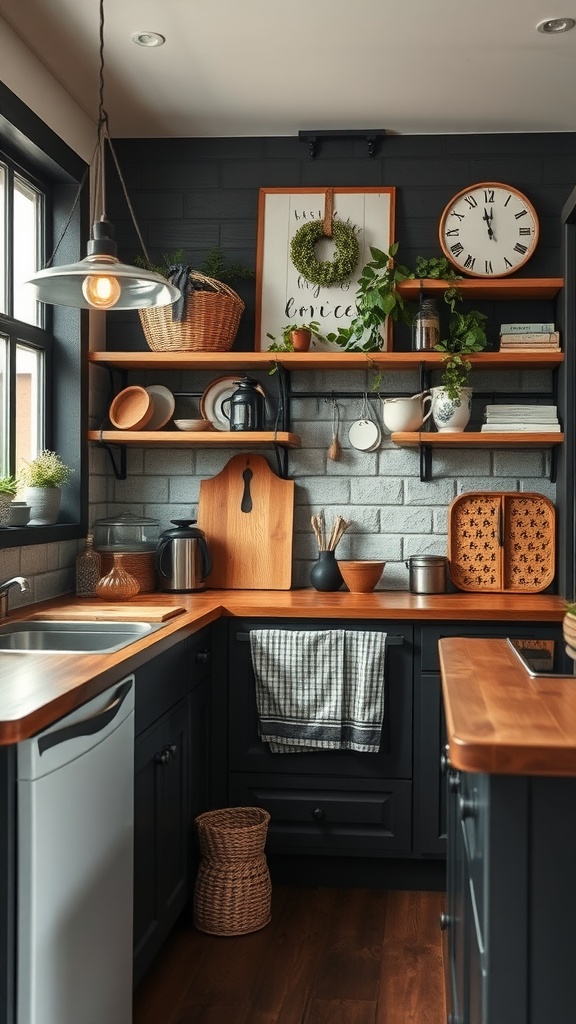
[(75, 875)]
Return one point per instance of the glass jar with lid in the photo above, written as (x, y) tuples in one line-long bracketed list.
[(126, 532), (426, 326)]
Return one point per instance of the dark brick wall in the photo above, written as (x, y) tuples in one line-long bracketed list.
[(196, 193)]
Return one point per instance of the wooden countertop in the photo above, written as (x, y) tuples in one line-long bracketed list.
[(501, 720), (38, 689)]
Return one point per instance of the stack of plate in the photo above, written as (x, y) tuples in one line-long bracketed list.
[(137, 408)]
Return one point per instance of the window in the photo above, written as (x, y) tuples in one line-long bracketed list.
[(43, 372), (25, 341)]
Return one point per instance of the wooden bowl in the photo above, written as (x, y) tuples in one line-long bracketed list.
[(361, 577), (131, 409)]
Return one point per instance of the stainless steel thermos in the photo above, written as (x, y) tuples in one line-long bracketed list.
[(182, 558)]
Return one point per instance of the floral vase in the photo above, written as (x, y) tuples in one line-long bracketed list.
[(44, 505), (451, 415), (118, 584), (325, 573)]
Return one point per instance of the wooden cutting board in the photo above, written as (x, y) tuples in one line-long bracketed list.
[(247, 513), (102, 611)]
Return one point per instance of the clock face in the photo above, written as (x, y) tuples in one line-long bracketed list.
[(489, 230)]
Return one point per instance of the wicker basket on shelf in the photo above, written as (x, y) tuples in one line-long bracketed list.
[(232, 893), (210, 321)]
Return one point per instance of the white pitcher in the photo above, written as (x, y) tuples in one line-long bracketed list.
[(406, 413)]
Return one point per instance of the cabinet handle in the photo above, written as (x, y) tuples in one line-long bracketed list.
[(318, 814), (162, 758), (202, 657), (454, 781), (467, 806), (445, 760), (444, 921)]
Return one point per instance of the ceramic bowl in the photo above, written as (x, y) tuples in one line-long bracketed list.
[(361, 577), (193, 424), (131, 409)]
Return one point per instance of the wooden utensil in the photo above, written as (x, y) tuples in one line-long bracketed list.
[(247, 512)]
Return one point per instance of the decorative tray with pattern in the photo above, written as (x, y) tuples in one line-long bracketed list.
[(502, 541)]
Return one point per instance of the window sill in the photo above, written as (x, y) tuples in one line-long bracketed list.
[(21, 536)]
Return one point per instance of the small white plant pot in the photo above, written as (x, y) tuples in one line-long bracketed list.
[(44, 505), (451, 415)]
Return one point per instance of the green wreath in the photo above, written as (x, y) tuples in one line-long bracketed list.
[(325, 272)]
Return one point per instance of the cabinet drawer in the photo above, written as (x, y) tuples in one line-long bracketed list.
[(160, 684), (394, 759), (330, 816), (430, 635)]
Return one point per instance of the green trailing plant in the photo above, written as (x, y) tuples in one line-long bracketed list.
[(377, 299), (9, 485), (46, 470), (438, 268), (466, 336), (215, 265), (286, 344)]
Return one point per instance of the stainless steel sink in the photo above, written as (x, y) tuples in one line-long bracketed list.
[(72, 637)]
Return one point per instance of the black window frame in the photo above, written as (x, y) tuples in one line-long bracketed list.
[(40, 155)]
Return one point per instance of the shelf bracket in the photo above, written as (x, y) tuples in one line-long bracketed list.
[(118, 468), (425, 453)]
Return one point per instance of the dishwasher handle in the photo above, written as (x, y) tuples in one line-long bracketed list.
[(87, 726)]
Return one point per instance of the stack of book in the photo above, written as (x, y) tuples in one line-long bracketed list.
[(519, 418), (529, 337)]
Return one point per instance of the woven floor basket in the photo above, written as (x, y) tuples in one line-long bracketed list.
[(232, 893), (210, 322)]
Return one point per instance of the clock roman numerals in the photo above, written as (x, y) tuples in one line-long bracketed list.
[(489, 230)]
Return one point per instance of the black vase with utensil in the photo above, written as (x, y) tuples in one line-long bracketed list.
[(325, 573)]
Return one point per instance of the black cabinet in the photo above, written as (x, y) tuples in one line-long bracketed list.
[(429, 729), (325, 802), (170, 787)]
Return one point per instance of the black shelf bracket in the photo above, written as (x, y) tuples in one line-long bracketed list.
[(118, 468), (372, 135)]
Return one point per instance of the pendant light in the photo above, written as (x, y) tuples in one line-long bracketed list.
[(100, 280)]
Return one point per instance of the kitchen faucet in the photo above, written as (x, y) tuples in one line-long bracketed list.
[(19, 581)]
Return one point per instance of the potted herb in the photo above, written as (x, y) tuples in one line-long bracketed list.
[(452, 401), (43, 478), (377, 299), (8, 488), (296, 337)]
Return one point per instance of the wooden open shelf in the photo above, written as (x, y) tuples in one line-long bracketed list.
[(207, 438), (487, 288), (383, 361), (475, 439)]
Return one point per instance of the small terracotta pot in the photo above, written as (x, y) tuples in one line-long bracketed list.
[(301, 339)]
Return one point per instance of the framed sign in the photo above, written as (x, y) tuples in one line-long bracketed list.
[(283, 295)]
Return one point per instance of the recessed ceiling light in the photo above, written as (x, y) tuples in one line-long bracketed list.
[(554, 25), (148, 39)]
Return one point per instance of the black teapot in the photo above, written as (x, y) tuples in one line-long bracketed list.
[(246, 406)]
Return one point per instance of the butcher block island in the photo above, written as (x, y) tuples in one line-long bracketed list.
[(511, 823)]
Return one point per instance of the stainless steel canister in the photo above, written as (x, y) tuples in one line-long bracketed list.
[(428, 574)]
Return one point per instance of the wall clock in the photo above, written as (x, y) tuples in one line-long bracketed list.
[(489, 230)]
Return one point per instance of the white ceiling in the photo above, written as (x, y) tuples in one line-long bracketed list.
[(271, 68)]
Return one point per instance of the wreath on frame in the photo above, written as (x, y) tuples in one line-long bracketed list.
[(325, 272)]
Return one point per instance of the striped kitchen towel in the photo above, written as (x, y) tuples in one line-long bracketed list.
[(319, 689)]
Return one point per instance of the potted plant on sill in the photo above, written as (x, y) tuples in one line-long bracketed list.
[(8, 488), (296, 337), (452, 400), (43, 478)]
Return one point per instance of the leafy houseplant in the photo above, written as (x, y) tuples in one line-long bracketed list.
[(466, 336), (296, 337), (8, 488), (377, 298), (43, 478)]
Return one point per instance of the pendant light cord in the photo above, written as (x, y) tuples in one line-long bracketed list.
[(98, 204)]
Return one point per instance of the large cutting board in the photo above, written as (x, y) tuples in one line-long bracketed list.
[(94, 610), (247, 513)]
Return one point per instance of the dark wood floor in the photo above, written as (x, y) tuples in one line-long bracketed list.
[(329, 956)]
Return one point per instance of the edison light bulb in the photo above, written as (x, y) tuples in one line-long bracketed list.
[(101, 291)]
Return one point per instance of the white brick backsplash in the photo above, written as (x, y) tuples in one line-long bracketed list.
[(406, 520), (181, 462), (323, 491), (521, 463), (417, 492), (486, 484), (383, 489), (34, 559)]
